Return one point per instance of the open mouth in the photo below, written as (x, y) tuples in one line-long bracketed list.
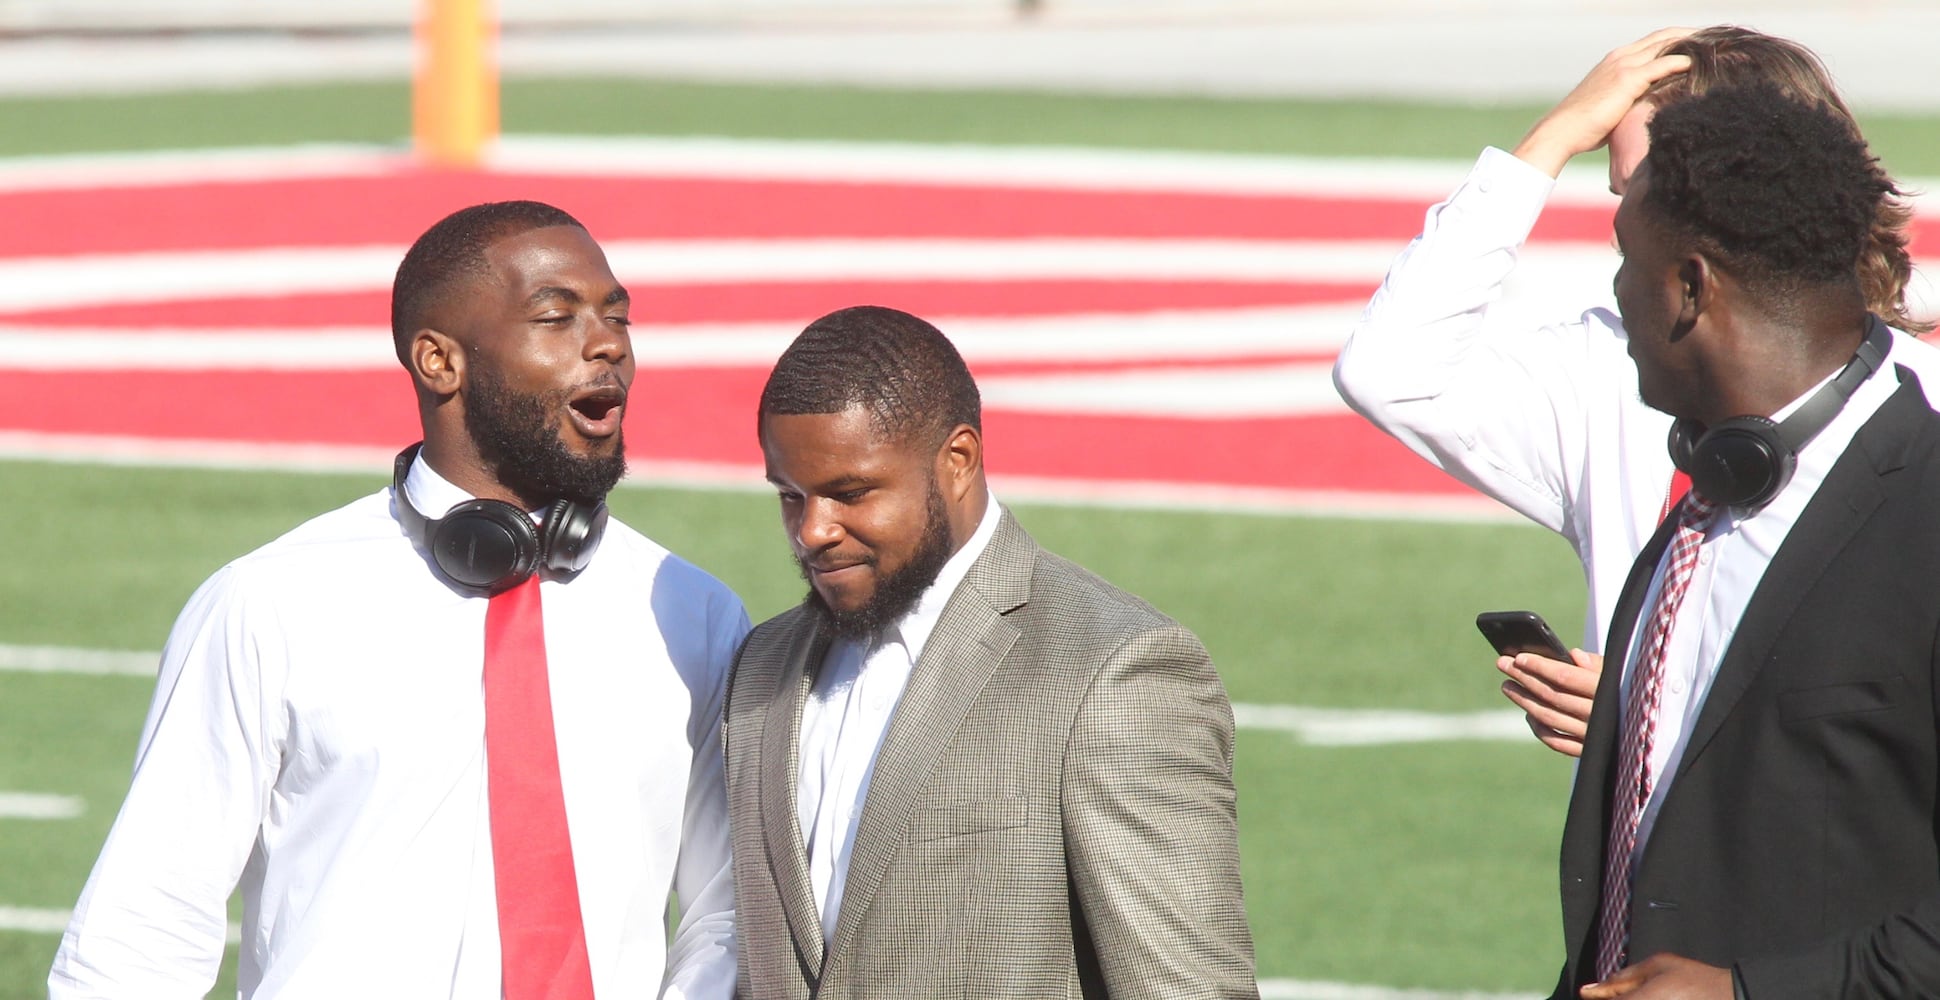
[(597, 411)]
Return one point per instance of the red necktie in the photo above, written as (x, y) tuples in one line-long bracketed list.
[(1680, 485), (1634, 780), (542, 943)]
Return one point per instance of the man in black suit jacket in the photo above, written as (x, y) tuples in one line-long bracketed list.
[(1785, 829)]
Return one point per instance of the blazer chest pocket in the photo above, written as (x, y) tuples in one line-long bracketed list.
[(1841, 699), (962, 818)]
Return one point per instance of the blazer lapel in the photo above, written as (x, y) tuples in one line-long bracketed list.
[(781, 768), (1584, 830), (970, 640), (1851, 492)]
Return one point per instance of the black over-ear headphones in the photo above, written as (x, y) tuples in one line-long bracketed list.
[(1745, 461), (486, 546)]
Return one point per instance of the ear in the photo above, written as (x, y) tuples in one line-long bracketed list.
[(437, 362), (1697, 291), (959, 461)]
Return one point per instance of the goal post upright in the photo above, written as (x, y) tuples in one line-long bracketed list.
[(454, 96)]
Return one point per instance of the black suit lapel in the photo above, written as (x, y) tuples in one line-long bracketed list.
[(1852, 490), (1584, 830)]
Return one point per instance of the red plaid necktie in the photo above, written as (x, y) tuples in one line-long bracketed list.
[(542, 943), (1634, 780)]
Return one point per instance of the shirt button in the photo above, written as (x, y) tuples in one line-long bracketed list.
[(1704, 558)]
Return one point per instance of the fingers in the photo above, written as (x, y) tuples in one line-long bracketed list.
[(1556, 694), (1544, 715), (1655, 42), (1576, 678), (1622, 981), (1568, 746), (1585, 117)]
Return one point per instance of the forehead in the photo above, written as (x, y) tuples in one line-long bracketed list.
[(807, 447), (1629, 141), (560, 256)]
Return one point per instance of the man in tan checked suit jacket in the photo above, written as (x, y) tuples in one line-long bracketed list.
[(963, 767)]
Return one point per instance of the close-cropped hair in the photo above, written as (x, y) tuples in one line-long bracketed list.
[(455, 248), (1727, 56), (1780, 193), (902, 370)]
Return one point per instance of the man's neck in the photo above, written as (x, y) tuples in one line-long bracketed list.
[(1770, 365)]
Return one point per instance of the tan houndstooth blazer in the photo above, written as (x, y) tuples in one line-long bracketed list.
[(1051, 812)]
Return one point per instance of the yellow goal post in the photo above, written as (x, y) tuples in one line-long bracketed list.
[(454, 95)]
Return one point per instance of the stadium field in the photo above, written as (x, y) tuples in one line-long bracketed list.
[(192, 360)]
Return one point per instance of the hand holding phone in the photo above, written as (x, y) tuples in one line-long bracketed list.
[(1557, 697)]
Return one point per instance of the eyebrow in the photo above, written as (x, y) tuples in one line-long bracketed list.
[(551, 292), (839, 484), (548, 292)]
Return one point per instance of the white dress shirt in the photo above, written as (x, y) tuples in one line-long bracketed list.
[(1737, 548), (1545, 419), (317, 740), (846, 715)]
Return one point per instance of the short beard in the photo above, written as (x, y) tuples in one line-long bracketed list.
[(899, 591), (516, 439)]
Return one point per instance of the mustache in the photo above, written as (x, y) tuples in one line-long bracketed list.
[(806, 564)]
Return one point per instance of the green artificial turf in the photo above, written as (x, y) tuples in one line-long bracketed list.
[(379, 112), (1447, 846)]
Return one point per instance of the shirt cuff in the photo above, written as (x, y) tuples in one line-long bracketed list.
[(1498, 203)]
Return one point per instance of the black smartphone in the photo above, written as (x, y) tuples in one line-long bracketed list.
[(1512, 632)]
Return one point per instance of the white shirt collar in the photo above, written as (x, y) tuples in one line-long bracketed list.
[(916, 625), (433, 495), (1793, 407)]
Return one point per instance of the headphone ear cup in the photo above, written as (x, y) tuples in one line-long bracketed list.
[(489, 545), (1742, 462), (571, 533), (1683, 443)]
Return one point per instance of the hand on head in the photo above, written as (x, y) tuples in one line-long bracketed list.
[(1584, 119)]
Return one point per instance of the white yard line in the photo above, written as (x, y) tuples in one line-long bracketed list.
[(1236, 392), (1583, 184), (1299, 989), (40, 805), (1315, 726), (30, 920), (1341, 727), (163, 168), (67, 660), (173, 276), (1160, 336), (133, 452), (1083, 338), (1066, 167), (955, 164)]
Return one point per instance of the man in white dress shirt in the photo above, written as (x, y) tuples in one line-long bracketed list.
[(318, 734), (1546, 418), (963, 767)]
